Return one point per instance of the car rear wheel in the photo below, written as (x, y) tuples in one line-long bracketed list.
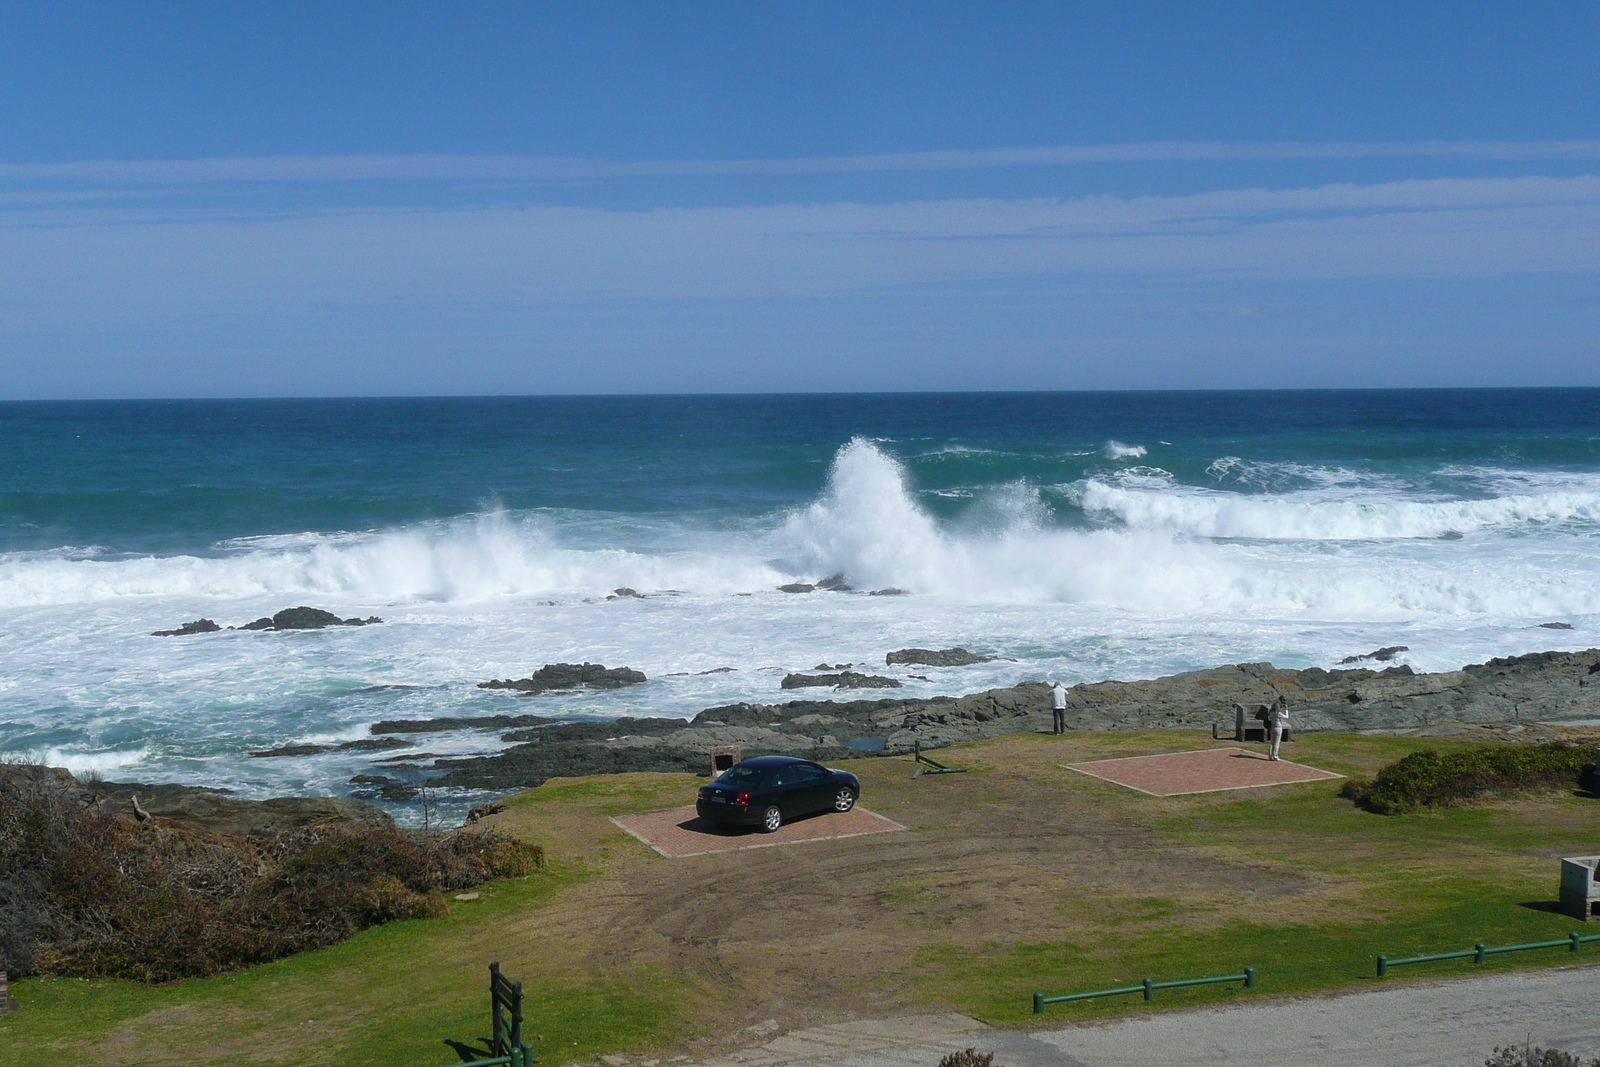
[(844, 800), (771, 819)]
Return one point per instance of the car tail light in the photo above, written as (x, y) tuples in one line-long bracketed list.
[(742, 798)]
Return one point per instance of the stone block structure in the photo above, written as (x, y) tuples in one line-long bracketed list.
[(1580, 896)]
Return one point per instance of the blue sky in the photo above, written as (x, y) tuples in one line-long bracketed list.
[(409, 198)]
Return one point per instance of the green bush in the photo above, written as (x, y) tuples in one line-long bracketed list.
[(1534, 1056), (1430, 779), (87, 893), (968, 1058)]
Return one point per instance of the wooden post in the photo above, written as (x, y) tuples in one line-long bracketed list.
[(9, 1005), (497, 1044)]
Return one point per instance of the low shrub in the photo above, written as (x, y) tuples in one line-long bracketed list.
[(87, 893), (968, 1058), (1534, 1056), (1430, 779)]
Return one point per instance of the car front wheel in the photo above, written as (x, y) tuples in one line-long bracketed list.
[(844, 800), (771, 819)]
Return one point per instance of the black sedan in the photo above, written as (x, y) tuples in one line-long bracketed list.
[(769, 789)]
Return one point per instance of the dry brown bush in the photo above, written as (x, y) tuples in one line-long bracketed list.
[(87, 893)]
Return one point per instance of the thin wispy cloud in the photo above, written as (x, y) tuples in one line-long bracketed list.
[(368, 168), (530, 256)]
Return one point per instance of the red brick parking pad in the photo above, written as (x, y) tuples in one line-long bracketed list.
[(1208, 770), (680, 832)]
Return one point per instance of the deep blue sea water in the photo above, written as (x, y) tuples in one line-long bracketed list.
[(1083, 536)]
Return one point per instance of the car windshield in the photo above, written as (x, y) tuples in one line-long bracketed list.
[(742, 775)]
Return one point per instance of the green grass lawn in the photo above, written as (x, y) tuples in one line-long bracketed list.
[(1367, 884), (1418, 884)]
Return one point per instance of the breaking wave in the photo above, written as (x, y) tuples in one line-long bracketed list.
[(1327, 517), (1344, 552)]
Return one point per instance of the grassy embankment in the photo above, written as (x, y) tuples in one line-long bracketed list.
[(1019, 875)]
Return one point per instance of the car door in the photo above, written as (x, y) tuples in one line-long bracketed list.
[(788, 791), (816, 786)]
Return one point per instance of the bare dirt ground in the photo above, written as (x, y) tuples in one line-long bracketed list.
[(1020, 849)]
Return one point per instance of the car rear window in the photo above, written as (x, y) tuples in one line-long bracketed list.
[(744, 776)]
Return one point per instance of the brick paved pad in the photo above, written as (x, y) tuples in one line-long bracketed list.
[(680, 832), (1208, 770)]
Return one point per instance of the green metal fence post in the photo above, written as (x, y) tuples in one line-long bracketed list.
[(1478, 948), (1148, 992), (1249, 977), (1038, 1000), (1575, 942), (1383, 966)]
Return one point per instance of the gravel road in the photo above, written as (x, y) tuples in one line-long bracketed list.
[(1431, 1024)]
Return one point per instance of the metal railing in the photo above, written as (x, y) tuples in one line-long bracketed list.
[(518, 1057), (1480, 952), (931, 766), (1147, 987)]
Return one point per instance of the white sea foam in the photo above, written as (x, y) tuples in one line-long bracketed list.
[(1330, 516), (1118, 450), (469, 559), (1175, 577), (84, 763)]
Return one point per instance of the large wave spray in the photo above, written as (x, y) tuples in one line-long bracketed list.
[(1339, 551)]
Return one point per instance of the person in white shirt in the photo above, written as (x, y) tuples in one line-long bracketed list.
[(1058, 706), (1277, 722)]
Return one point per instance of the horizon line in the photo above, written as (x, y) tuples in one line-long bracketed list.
[(797, 394)]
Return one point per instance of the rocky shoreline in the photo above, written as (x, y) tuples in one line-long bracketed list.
[(1540, 687), (1509, 694)]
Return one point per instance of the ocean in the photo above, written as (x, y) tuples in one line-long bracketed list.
[(1076, 536)]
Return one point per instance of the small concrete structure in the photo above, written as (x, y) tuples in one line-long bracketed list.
[(6, 1003), (1244, 714), (723, 757), (1580, 895)]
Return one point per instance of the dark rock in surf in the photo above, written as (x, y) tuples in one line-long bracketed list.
[(891, 591), (842, 680), (289, 750), (388, 788), (199, 626), (304, 618), (1555, 626), (624, 727), (1382, 655), (364, 744), (454, 722), (625, 593), (563, 676), (796, 587), (835, 583), (374, 744), (936, 657)]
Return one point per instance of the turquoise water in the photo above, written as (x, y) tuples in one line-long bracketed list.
[(1081, 535)]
